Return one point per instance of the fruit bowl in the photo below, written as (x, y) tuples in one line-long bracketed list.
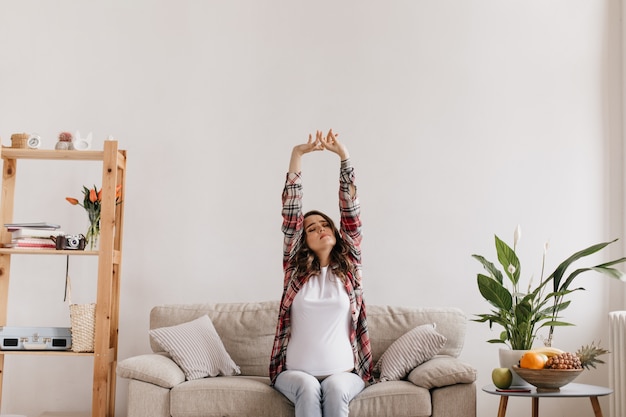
[(547, 380)]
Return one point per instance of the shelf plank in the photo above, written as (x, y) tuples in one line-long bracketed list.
[(26, 251), (22, 251), (20, 153), (45, 352)]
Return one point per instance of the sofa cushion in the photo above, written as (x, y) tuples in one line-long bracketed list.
[(411, 349), (246, 329), (196, 347), (229, 396), (442, 371), (388, 323), (393, 398), (155, 368), (253, 396)]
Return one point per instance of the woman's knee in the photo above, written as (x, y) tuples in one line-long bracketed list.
[(342, 387), (300, 384)]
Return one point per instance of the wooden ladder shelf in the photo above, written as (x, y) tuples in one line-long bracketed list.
[(109, 255)]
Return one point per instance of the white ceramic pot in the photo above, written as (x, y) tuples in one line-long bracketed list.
[(508, 358)]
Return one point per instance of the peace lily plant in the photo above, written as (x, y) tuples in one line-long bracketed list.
[(523, 314)]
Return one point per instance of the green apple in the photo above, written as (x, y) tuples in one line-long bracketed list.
[(502, 377)]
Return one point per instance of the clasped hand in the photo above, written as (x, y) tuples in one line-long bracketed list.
[(322, 142)]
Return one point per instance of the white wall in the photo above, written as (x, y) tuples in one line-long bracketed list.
[(463, 118)]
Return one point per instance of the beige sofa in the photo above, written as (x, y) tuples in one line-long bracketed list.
[(440, 387)]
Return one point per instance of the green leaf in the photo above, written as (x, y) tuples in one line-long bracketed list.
[(560, 270), (508, 258), (611, 272), (490, 267), (602, 269), (614, 262), (523, 311), (494, 292), (556, 323), (485, 317), (555, 308)]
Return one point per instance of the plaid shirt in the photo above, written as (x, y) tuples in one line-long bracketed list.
[(350, 230)]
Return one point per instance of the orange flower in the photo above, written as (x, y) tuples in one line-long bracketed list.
[(92, 199)]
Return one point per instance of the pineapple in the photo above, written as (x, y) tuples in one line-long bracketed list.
[(565, 360), (584, 357), (589, 355)]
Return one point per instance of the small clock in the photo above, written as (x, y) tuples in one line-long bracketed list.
[(34, 141)]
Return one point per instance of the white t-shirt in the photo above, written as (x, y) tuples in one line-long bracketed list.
[(320, 327)]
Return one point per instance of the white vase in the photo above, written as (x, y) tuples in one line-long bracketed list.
[(508, 358)]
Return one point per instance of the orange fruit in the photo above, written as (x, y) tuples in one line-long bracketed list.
[(533, 360)]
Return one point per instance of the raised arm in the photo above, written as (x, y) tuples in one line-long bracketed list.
[(293, 217), (349, 206), (295, 164)]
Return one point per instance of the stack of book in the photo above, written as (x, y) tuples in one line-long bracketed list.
[(33, 235)]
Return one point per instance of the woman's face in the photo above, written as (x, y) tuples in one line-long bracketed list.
[(319, 234)]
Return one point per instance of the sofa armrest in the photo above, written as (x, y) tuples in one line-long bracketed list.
[(154, 368), (458, 400), (442, 371)]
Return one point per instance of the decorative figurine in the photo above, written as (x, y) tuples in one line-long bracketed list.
[(82, 144), (65, 142)]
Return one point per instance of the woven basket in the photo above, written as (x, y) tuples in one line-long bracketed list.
[(83, 324), (19, 140)]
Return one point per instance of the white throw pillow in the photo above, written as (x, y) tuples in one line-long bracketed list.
[(441, 372), (408, 351), (197, 348), (155, 368)]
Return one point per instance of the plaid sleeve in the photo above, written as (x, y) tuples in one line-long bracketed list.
[(293, 218), (350, 210)]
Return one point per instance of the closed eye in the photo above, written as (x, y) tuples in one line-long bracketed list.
[(316, 227)]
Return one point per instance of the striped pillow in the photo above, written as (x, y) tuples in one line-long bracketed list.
[(196, 347), (408, 351)]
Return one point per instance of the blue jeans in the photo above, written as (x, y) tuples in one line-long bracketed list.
[(312, 398)]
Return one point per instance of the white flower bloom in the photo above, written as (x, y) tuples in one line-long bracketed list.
[(511, 269), (517, 235)]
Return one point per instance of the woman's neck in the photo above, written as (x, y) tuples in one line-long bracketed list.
[(324, 259)]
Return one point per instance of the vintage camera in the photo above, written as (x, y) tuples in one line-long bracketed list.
[(70, 242)]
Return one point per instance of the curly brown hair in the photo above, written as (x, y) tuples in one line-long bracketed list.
[(306, 261)]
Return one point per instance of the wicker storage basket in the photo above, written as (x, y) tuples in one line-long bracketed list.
[(83, 325), (19, 140)]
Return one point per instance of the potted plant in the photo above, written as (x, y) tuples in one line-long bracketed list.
[(523, 313)]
